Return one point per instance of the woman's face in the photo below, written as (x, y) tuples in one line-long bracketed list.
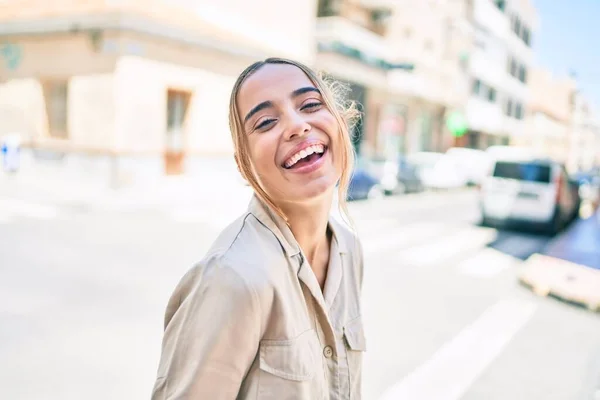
[(292, 136)]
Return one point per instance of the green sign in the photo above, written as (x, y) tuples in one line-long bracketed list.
[(457, 124)]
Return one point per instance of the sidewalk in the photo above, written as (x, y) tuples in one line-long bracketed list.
[(579, 244), (569, 267), (217, 189)]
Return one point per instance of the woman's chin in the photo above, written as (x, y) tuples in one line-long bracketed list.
[(317, 188)]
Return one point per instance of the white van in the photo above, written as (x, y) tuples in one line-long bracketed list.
[(525, 189)]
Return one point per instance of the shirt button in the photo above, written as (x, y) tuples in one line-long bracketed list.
[(328, 352)]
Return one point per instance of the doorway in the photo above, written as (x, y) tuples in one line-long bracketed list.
[(178, 102)]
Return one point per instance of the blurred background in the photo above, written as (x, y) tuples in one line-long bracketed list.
[(475, 193)]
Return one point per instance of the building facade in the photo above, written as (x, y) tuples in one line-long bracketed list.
[(584, 139), (549, 116), (500, 66), (407, 61), (136, 89)]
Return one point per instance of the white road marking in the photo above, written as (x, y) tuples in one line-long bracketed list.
[(11, 207), (446, 248), (402, 236), (458, 363), (487, 263)]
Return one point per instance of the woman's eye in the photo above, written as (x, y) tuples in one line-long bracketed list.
[(264, 123), (313, 106)]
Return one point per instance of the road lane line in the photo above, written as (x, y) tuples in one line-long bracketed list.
[(487, 263), (404, 235), (458, 363)]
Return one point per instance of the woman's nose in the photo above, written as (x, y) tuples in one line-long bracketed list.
[(297, 126)]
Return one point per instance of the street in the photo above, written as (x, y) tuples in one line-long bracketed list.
[(83, 292)]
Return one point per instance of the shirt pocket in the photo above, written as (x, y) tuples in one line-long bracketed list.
[(290, 367), (356, 345)]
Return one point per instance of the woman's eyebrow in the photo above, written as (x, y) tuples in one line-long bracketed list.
[(257, 108), (303, 90)]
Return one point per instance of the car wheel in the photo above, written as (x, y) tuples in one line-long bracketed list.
[(375, 193)]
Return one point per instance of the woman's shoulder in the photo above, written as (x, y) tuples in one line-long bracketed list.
[(245, 248)]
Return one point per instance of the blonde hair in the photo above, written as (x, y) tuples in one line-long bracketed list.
[(345, 112)]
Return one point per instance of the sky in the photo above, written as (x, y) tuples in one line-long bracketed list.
[(568, 39)]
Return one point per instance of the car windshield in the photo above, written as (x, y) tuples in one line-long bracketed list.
[(530, 172)]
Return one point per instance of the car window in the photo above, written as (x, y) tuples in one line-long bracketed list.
[(529, 172)]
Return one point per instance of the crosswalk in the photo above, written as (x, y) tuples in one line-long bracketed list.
[(462, 246)]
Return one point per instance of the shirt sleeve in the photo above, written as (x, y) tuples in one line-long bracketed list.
[(212, 334)]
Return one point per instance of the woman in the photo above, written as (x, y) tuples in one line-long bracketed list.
[(272, 311)]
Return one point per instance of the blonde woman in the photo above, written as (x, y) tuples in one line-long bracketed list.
[(273, 311)]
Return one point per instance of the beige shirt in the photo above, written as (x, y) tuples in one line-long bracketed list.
[(250, 320)]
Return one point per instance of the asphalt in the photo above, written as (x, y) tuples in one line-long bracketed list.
[(580, 243)]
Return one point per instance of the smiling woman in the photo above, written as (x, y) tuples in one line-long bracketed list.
[(273, 310), (310, 94)]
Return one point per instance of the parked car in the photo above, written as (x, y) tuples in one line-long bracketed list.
[(364, 185), (446, 173), (473, 165), (395, 176), (525, 189), (588, 183), (409, 180)]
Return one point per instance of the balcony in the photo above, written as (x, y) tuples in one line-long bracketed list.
[(331, 30), (370, 18)]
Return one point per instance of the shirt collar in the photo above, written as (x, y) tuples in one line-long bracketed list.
[(282, 232)]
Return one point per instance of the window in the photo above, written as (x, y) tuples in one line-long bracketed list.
[(327, 8), (476, 86), (519, 111), (520, 29), (526, 36), (522, 73), (517, 27), (56, 95), (491, 95), (177, 106), (529, 172), (513, 67), (509, 108)]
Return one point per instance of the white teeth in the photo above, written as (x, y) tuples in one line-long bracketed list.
[(316, 148)]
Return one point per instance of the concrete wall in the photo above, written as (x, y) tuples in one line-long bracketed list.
[(90, 90), (22, 108), (142, 86)]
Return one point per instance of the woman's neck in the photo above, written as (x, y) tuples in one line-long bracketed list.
[(308, 222)]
